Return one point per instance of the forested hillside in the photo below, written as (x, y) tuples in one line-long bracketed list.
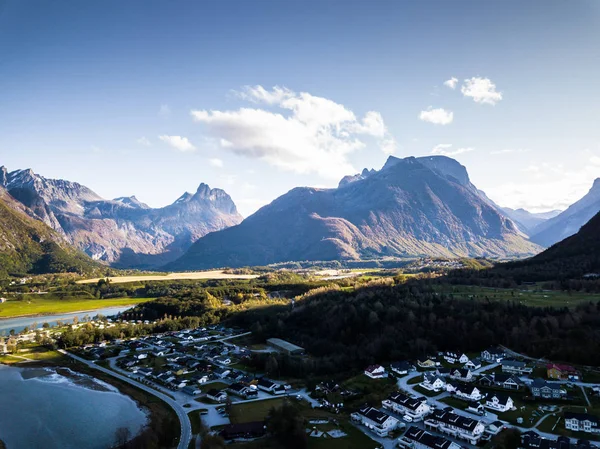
[(28, 246)]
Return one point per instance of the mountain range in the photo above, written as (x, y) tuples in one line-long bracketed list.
[(411, 207), (29, 246), (570, 221), (123, 232)]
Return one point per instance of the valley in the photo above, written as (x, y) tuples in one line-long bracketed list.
[(215, 274)]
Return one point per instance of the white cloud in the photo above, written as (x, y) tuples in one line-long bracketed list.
[(164, 110), (437, 116), (308, 134), (216, 162), (178, 142), (445, 149), (451, 83), (482, 90), (143, 141)]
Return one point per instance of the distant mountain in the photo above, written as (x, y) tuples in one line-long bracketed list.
[(28, 246), (571, 258), (411, 207), (571, 220), (123, 232), (529, 221)]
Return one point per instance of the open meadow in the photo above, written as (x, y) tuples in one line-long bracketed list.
[(46, 304), (215, 274)]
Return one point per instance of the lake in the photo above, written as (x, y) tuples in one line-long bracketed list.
[(41, 408), (18, 324)]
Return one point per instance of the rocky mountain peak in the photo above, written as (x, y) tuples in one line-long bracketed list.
[(3, 176)]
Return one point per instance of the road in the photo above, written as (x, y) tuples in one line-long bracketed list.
[(186, 426)]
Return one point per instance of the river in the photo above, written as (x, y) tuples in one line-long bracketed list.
[(50, 409), (18, 324)]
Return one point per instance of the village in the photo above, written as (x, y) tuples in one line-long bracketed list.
[(444, 401)]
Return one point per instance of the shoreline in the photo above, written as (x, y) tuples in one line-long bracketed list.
[(41, 315)]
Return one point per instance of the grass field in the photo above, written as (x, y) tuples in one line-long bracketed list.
[(253, 411), (217, 274), (36, 354), (532, 296), (46, 305)]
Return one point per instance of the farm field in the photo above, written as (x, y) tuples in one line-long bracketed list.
[(46, 305), (533, 296), (215, 274)]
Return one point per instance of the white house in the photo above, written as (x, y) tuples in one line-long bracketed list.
[(474, 363), (403, 404), (466, 392), (582, 422), (376, 372), (431, 382), (416, 438), (462, 374), (500, 403), (493, 355), (203, 379), (377, 421), (458, 426), (216, 395)]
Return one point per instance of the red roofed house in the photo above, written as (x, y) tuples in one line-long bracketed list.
[(562, 372)]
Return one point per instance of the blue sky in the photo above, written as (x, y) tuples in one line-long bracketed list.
[(152, 98)]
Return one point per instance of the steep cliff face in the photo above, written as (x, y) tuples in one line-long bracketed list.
[(123, 232), (411, 207)]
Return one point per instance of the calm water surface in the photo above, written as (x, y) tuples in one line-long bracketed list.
[(18, 324), (62, 412)]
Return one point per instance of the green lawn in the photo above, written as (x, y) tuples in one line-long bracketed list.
[(454, 402), (46, 305), (253, 411), (531, 296), (415, 380), (424, 392)]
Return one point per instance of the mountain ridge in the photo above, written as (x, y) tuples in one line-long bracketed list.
[(412, 206), (123, 232)]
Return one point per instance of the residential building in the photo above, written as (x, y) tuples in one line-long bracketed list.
[(562, 372), (267, 385), (464, 391), (447, 421), (474, 363), (249, 430), (493, 355), (507, 381), (216, 395), (547, 390), (582, 422), (499, 402), (375, 420), (455, 357), (516, 367), (242, 390), (403, 404), (532, 440), (376, 372), (401, 368), (428, 363), (462, 374), (416, 438), (432, 382)]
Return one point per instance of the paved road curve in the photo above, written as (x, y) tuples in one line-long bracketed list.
[(186, 426)]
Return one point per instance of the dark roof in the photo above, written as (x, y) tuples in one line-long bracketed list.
[(248, 429), (582, 417), (401, 366), (541, 383), (496, 351), (452, 419), (264, 382), (405, 400), (237, 387), (213, 392), (374, 415), (504, 377), (515, 363), (427, 439), (502, 398)]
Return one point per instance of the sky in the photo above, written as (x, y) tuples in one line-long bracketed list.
[(151, 98)]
